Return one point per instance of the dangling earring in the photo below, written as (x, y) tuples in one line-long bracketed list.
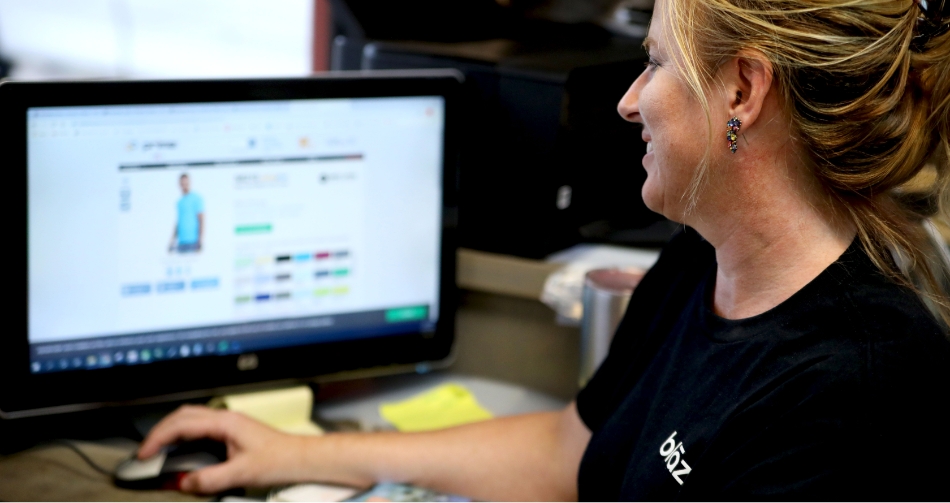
[(732, 133)]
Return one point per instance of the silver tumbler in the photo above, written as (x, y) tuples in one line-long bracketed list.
[(605, 297)]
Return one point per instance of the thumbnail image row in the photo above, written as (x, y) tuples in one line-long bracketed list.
[(169, 286), (243, 262), (301, 294)]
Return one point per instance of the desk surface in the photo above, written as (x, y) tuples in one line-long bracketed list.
[(55, 473)]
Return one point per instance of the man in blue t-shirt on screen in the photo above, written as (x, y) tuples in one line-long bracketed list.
[(186, 237)]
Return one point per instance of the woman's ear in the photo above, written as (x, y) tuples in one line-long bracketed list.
[(748, 80)]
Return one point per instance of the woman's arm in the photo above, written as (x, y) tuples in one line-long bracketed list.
[(527, 457)]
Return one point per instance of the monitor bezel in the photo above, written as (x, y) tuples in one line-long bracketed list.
[(27, 394)]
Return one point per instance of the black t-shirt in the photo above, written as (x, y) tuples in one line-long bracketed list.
[(837, 393)]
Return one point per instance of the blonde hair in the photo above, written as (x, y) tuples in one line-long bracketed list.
[(868, 107)]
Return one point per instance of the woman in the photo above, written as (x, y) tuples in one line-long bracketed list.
[(790, 343)]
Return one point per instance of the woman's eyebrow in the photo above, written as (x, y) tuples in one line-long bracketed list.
[(647, 43)]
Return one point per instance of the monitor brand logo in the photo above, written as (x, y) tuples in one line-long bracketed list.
[(672, 453), (247, 362)]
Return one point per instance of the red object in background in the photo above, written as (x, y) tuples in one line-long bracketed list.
[(322, 22)]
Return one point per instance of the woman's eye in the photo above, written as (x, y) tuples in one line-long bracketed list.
[(651, 64)]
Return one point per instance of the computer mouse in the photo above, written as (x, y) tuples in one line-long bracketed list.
[(166, 469)]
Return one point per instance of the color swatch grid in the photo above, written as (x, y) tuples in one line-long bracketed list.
[(299, 276)]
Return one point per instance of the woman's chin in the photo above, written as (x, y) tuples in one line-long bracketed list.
[(651, 198)]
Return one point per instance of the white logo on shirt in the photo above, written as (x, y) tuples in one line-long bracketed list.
[(673, 453)]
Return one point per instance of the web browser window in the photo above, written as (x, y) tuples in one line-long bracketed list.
[(174, 231)]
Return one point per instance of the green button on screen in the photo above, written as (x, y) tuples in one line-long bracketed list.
[(253, 229), (406, 314)]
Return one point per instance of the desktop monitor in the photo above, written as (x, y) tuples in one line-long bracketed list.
[(173, 239)]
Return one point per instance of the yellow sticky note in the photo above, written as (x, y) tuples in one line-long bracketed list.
[(440, 407), (287, 409)]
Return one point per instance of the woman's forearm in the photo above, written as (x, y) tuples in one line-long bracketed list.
[(528, 457)]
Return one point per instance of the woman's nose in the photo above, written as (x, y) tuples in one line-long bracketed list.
[(629, 106)]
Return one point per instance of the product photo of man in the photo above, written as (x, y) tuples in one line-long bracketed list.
[(189, 228)]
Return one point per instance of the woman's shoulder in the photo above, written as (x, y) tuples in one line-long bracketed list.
[(888, 317), (862, 384), (855, 330), (884, 345)]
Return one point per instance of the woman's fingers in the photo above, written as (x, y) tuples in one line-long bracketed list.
[(250, 446), (187, 423), (212, 479)]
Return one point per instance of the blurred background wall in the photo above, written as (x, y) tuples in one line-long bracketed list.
[(45, 39)]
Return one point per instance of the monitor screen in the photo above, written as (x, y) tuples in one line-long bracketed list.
[(162, 233), (229, 227)]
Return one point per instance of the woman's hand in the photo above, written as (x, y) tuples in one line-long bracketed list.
[(528, 457), (257, 454)]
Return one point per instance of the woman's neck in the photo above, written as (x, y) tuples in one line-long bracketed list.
[(757, 271), (772, 237)]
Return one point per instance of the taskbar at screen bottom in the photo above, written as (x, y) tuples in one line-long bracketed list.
[(138, 349)]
